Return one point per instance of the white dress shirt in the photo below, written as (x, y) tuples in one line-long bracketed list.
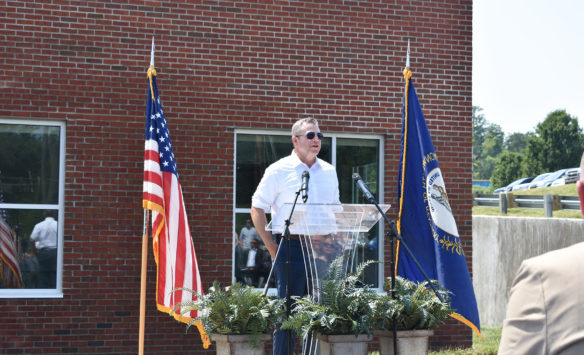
[(247, 235), (45, 234), (283, 178), (251, 255)]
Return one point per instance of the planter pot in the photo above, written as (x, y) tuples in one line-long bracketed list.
[(410, 342), (239, 344), (343, 344)]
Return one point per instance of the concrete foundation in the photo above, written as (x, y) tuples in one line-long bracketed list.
[(499, 246)]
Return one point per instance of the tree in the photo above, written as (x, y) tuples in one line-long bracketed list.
[(556, 144), (517, 142), (487, 144), (493, 141), (479, 129), (484, 169), (509, 167)]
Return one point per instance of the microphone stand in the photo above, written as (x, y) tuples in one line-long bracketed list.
[(394, 234), (288, 296)]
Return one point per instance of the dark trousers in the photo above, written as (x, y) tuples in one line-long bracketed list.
[(47, 258), (297, 288)]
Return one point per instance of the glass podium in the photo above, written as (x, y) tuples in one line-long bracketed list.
[(326, 232)]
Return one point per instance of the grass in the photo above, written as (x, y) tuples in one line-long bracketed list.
[(488, 345), (563, 190)]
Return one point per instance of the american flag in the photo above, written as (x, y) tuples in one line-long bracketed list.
[(9, 267), (162, 194)]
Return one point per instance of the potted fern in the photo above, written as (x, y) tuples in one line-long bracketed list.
[(416, 309), (340, 315), (238, 318)]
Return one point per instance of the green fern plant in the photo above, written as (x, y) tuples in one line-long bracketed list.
[(344, 308), (235, 309), (415, 306)]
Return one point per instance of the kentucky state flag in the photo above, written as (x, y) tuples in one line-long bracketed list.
[(425, 218)]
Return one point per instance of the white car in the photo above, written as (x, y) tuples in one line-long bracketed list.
[(539, 181), (523, 186), (572, 175), (553, 177)]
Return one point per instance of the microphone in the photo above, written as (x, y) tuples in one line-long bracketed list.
[(366, 193), (304, 187)]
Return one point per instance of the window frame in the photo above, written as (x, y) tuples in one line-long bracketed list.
[(57, 292), (334, 136)]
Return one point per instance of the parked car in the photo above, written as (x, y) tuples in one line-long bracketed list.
[(572, 175), (562, 181), (555, 176), (499, 190), (523, 185), (538, 181), (510, 186)]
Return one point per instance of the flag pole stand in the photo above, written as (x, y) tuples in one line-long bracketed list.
[(143, 284)]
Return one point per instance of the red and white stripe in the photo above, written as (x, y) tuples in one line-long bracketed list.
[(173, 247), (9, 256)]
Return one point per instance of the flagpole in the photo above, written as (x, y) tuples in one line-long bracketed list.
[(144, 258), (408, 56), (143, 283)]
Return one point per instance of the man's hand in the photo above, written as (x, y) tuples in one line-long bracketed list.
[(258, 216)]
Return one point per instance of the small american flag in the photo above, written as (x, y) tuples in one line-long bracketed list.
[(162, 194), (9, 267)]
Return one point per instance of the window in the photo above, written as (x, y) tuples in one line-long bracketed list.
[(31, 191), (255, 151)]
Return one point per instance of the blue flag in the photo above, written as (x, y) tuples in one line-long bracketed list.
[(425, 219)]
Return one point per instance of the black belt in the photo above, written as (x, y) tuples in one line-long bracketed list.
[(292, 237)]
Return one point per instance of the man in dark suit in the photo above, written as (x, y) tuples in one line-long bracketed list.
[(254, 262), (545, 314)]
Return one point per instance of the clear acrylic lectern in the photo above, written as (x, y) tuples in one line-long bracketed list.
[(326, 232)]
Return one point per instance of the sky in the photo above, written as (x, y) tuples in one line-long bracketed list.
[(528, 61)]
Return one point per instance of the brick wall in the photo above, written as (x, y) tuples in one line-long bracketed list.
[(221, 65)]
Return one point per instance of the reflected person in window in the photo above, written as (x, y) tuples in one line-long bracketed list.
[(44, 234), (247, 234), (278, 186)]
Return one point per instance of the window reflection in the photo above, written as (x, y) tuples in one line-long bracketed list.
[(29, 253), (29, 168), (252, 259), (361, 156)]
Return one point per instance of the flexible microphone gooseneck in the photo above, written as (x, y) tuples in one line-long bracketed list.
[(363, 187)]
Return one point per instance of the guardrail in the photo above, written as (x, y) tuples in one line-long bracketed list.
[(548, 202)]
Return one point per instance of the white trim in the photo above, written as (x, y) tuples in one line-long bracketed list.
[(60, 207), (32, 122), (31, 292), (30, 206)]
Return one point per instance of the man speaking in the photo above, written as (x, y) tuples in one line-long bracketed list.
[(278, 186)]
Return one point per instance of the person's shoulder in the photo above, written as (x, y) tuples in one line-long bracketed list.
[(558, 257), (326, 166), (280, 163)]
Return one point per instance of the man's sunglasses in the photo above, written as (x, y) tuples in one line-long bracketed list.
[(310, 135)]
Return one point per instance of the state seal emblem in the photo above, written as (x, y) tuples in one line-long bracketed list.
[(438, 203)]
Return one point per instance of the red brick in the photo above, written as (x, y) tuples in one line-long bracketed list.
[(234, 65)]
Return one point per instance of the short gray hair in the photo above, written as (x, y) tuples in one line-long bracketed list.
[(297, 127)]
